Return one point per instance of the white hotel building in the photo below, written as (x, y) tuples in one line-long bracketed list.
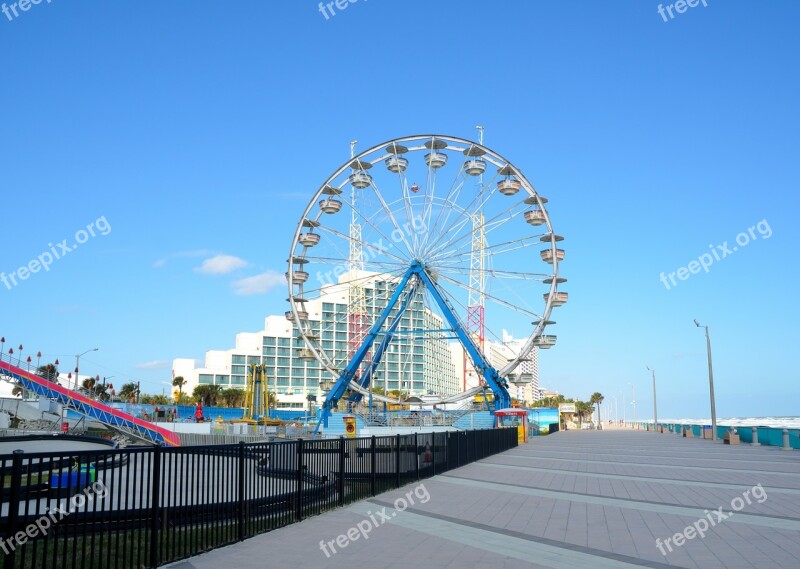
[(411, 365)]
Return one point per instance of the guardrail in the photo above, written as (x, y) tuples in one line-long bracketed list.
[(146, 506), (760, 435)]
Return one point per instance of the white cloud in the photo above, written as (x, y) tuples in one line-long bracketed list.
[(160, 263), (259, 284), (221, 265), (155, 364)]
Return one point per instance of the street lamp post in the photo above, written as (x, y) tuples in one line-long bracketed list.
[(78, 364), (622, 393), (655, 406), (710, 383), (633, 402)]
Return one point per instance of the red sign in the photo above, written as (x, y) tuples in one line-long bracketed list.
[(64, 427)]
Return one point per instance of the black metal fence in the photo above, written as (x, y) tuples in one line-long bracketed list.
[(144, 507)]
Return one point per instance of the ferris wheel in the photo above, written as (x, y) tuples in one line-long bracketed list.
[(412, 246)]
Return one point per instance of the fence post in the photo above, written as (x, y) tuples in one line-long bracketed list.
[(785, 445), (397, 461), (155, 499), (13, 504), (433, 453), (416, 453), (241, 491), (340, 482), (298, 506), (755, 437), (373, 474)]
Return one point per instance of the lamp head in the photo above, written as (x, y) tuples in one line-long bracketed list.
[(696, 323)]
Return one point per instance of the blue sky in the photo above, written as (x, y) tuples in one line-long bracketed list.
[(198, 129)]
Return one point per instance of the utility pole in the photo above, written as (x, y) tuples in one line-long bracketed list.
[(710, 383), (655, 407)]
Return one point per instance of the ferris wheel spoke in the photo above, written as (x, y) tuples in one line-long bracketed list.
[(493, 250), (495, 273), (487, 295), (488, 226), (358, 280), (370, 247), (455, 188), (367, 219), (387, 210), (469, 211)]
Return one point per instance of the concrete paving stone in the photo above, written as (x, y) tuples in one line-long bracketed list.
[(594, 499)]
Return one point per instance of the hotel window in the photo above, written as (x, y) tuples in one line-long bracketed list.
[(205, 379), (237, 359), (238, 370)]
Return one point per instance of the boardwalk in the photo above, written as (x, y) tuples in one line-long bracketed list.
[(573, 499)]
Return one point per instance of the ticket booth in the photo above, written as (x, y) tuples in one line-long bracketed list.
[(513, 418)]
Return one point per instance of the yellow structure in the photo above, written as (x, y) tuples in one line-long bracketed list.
[(256, 398), (350, 429)]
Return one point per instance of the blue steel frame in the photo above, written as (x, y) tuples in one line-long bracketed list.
[(497, 384)]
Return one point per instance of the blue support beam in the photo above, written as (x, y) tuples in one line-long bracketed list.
[(350, 370), (497, 384), (376, 360)]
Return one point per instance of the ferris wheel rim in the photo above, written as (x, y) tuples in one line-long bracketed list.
[(361, 165)]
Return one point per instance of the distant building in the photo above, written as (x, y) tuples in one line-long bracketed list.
[(524, 380), (410, 365)]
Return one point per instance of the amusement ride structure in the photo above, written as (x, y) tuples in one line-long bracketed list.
[(427, 239)]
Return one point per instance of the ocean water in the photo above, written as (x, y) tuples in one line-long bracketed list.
[(775, 422)]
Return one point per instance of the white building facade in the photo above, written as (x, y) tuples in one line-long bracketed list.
[(411, 364)]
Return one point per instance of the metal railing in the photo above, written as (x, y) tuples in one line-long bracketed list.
[(147, 506)]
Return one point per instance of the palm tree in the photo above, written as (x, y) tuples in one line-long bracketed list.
[(179, 382), (597, 399), (49, 372), (582, 408), (232, 397), (128, 391), (207, 394)]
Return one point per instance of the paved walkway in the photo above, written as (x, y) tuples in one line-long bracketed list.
[(572, 499)]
